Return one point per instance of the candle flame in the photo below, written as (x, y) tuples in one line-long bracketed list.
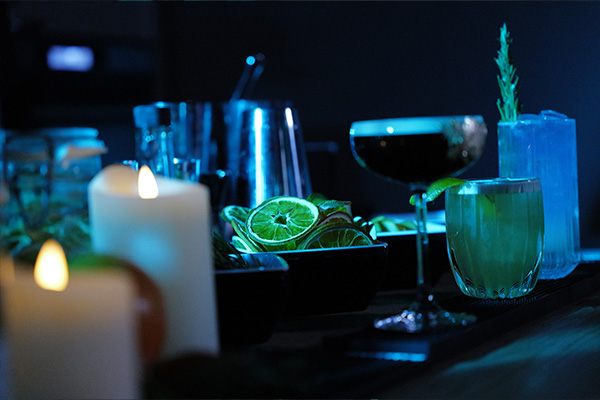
[(147, 187), (51, 271)]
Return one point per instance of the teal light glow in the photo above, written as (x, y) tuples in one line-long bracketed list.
[(258, 151), (250, 60), (390, 355)]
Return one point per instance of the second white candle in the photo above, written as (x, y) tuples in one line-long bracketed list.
[(168, 237)]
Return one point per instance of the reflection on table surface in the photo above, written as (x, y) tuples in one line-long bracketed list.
[(555, 356)]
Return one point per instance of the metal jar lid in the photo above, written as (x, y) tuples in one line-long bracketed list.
[(498, 186)]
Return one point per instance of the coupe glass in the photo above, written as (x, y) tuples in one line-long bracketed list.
[(417, 152)]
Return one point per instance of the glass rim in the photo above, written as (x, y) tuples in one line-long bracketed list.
[(544, 117), (500, 185), (408, 125)]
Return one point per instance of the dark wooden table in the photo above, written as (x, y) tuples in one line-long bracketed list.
[(554, 357), (546, 346)]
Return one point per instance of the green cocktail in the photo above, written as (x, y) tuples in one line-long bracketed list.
[(495, 234)]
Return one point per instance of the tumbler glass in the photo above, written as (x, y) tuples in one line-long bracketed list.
[(495, 235), (545, 146)]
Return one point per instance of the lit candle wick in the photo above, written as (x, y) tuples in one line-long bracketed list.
[(147, 187)]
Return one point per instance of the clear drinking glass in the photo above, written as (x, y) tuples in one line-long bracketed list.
[(417, 152), (157, 131), (495, 235), (545, 146)]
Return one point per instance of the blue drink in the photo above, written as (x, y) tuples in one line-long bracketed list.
[(545, 146)]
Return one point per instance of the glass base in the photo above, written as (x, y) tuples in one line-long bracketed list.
[(558, 270), (424, 318)]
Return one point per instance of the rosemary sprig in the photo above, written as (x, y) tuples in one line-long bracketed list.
[(225, 256), (508, 105)]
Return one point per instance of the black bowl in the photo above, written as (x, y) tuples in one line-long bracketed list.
[(251, 301), (402, 259), (342, 279)]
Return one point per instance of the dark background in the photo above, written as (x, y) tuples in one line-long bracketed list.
[(337, 61)]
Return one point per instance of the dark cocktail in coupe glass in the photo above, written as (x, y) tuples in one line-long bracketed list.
[(417, 152)]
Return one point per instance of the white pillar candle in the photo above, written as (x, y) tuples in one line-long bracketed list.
[(77, 343), (169, 237)]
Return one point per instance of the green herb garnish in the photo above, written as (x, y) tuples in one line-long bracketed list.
[(225, 256), (508, 105), (23, 242)]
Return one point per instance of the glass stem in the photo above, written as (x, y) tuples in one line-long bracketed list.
[(423, 271)]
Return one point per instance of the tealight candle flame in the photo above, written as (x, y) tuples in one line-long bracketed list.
[(147, 187), (51, 271)]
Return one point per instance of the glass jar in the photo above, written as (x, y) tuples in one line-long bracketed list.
[(46, 173)]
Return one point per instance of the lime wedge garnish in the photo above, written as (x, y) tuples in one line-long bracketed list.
[(280, 221), (335, 235), (437, 188)]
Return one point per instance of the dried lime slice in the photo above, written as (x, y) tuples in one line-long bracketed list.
[(242, 235), (329, 206), (437, 188), (238, 214), (317, 198), (335, 217), (366, 226), (335, 235), (280, 221), (242, 245), (385, 223)]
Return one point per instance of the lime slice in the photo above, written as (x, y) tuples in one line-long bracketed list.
[(331, 206), (388, 224), (281, 220), (335, 235), (366, 226), (437, 188), (235, 213), (335, 217), (242, 235), (385, 224), (316, 198), (241, 244)]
